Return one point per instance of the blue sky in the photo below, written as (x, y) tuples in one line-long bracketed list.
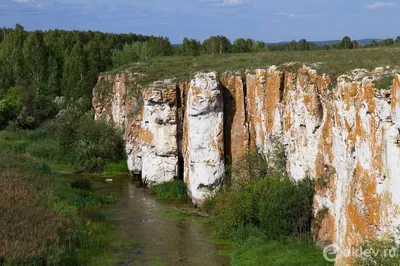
[(267, 20)]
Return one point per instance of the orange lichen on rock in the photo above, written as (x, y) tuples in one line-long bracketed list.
[(272, 100), (237, 133)]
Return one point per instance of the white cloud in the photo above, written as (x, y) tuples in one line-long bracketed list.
[(382, 4), (224, 2), (295, 16), (24, 1)]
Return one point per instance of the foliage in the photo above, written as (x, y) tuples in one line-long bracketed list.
[(254, 166), (71, 139), (116, 167), (279, 206), (142, 51), (216, 45), (384, 83), (257, 251), (266, 211), (81, 183), (49, 230), (9, 107), (334, 62), (379, 252), (190, 47), (242, 45), (48, 64), (171, 190), (87, 144)]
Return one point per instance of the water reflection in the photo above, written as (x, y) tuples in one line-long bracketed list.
[(162, 240)]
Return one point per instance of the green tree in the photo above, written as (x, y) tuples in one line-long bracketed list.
[(190, 47), (303, 45), (9, 107), (242, 45), (95, 63), (216, 45), (346, 43), (259, 46), (387, 42), (397, 41), (75, 71), (35, 56)]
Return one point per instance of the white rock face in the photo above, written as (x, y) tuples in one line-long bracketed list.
[(203, 137), (158, 134), (348, 135), (302, 118)]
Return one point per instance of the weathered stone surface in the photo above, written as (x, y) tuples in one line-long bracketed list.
[(344, 135), (158, 133), (109, 98), (203, 137), (263, 105), (235, 123)]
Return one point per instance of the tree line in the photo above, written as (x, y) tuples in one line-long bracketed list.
[(38, 68)]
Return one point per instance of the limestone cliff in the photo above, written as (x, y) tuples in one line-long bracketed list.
[(344, 133)]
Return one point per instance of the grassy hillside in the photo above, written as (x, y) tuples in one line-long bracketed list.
[(45, 218), (334, 62)]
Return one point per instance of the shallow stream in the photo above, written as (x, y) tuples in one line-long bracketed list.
[(162, 239)]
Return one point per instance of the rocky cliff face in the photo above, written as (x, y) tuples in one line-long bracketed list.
[(343, 133)]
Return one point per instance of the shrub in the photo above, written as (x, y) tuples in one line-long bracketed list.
[(172, 190), (279, 206), (86, 143), (254, 165), (44, 149), (379, 252)]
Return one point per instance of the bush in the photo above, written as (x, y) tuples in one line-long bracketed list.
[(379, 252), (172, 190), (254, 166), (45, 149), (86, 143), (279, 206)]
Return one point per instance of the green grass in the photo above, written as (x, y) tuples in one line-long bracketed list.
[(384, 83), (53, 206), (171, 190), (50, 228), (256, 251), (116, 168), (334, 62)]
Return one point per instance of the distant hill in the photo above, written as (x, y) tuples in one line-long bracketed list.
[(361, 41), (321, 43)]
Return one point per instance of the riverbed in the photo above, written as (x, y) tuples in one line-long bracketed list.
[(161, 239)]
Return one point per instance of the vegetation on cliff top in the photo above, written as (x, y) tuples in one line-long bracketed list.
[(333, 62), (39, 67)]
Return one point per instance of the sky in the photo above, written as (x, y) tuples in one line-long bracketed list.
[(266, 20)]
